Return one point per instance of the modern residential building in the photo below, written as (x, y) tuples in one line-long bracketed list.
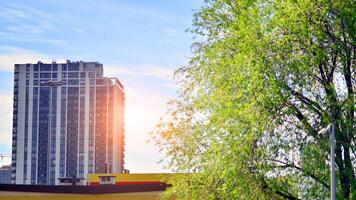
[(68, 120)]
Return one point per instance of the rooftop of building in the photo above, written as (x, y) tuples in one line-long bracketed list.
[(67, 62), (87, 66)]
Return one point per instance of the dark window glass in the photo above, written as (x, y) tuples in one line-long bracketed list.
[(55, 67), (35, 82), (43, 134), (72, 131), (82, 74), (45, 67), (27, 82), (91, 74), (64, 67), (45, 75), (35, 75), (73, 82), (92, 81), (54, 75), (73, 67), (73, 75), (35, 67), (64, 75)]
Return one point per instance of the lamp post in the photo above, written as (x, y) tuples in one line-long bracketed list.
[(331, 129)]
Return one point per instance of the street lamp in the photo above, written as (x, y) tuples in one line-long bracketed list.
[(331, 129)]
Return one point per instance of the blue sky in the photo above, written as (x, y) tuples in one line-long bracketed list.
[(140, 42)]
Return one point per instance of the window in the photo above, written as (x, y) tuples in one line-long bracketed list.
[(16, 76), (73, 67), (45, 75), (35, 75), (91, 74), (45, 67), (54, 75), (100, 81), (73, 82), (82, 74), (73, 75)]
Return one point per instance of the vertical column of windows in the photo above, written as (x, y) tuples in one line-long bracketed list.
[(100, 129), (53, 121), (26, 162), (91, 148), (26, 133), (110, 128), (121, 113), (81, 131), (63, 132), (72, 132), (43, 135), (14, 124), (34, 135)]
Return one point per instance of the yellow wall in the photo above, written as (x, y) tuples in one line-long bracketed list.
[(131, 177)]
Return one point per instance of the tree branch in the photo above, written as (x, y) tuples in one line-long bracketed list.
[(310, 103), (304, 120), (286, 165), (286, 195)]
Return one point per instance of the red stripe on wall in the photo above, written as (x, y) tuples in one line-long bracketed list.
[(136, 182), (94, 183)]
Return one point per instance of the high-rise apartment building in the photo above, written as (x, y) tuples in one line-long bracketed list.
[(68, 120)]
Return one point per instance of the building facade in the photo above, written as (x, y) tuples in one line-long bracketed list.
[(68, 120), (5, 174)]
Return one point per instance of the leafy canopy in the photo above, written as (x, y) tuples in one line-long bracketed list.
[(264, 78)]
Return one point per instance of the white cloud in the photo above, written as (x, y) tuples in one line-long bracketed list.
[(29, 24), (24, 28), (11, 12), (141, 70), (13, 55), (30, 38)]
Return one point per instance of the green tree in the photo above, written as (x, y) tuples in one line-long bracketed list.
[(265, 77)]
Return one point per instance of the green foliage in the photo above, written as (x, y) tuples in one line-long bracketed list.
[(265, 77)]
